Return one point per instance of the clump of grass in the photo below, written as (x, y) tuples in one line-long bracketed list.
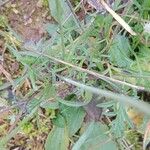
[(90, 60)]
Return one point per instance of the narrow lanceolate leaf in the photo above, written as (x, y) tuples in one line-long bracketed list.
[(57, 139), (72, 103)]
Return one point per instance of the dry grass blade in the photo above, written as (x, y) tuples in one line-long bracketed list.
[(7, 75), (117, 17)]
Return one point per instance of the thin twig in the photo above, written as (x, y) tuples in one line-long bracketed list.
[(58, 8), (103, 77), (7, 75), (117, 17), (131, 101), (74, 15)]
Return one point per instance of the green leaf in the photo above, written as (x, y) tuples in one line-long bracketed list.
[(142, 67), (50, 105), (59, 10), (106, 104), (51, 28), (143, 59), (33, 104), (57, 139), (74, 118), (32, 76), (95, 137), (49, 91), (56, 8), (120, 51), (120, 123), (83, 138), (146, 6), (59, 121), (72, 103)]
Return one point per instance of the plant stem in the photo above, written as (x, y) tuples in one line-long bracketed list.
[(58, 7)]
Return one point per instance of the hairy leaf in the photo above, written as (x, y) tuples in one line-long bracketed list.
[(57, 139), (95, 137), (120, 123), (120, 51), (74, 118)]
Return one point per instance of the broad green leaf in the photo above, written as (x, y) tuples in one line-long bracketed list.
[(57, 139), (84, 137), (59, 10), (56, 8), (120, 51), (59, 121), (95, 137), (51, 28), (74, 118), (146, 3)]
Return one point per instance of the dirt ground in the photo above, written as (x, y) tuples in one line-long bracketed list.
[(27, 17)]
